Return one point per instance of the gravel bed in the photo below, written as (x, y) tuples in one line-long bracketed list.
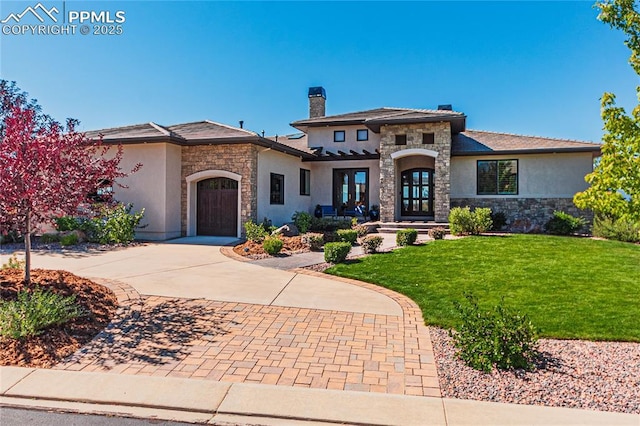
[(601, 376)]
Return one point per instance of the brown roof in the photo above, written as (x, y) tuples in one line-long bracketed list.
[(138, 131), (297, 141), (477, 142), (196, 133), (210, 130), (374, 118)]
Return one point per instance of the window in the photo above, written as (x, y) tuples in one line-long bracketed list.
[(277, 188), (497, 177), (362, 135), (428, 138), (401, 139), (338, 136), (305, 182)]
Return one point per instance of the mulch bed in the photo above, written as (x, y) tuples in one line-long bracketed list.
[(56, 343), (292, 245)]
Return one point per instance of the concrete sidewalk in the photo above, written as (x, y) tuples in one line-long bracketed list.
[(205, 401)]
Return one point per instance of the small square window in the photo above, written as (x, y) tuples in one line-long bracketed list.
[(401, 139), (277, 189), (362, 135), (338, 136), (428, 138), (305, 182)]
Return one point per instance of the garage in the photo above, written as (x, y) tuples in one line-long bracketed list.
[(217, 212)]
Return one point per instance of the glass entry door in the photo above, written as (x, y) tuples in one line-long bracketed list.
[(417, 192), (350, 188)]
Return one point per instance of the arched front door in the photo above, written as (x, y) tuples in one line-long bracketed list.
[(417, 192), (217, 207)]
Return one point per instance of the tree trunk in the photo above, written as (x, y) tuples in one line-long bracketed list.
[(27, 250)]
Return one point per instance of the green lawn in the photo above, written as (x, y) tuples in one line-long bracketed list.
[(570, 287)]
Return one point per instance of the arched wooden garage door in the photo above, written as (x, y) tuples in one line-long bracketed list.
[(217, 207)]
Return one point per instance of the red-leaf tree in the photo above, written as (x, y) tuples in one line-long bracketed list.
[(46, 171)]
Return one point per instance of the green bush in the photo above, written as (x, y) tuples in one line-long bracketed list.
[(437, 233), (327, 224), (315, 240), (406, 237), (463, 221), (620, 229), (272, 245), (499, 221), (33, 312), (49, 238), (302, 220), (254, 232), (501, 337), (564, 224), (13, 263), (336, 252), (347, 235), (69, 240), (371, 243), (66, 223)]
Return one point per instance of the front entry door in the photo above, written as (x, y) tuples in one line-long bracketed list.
[(350, 188), (417, 192), (218, 207)]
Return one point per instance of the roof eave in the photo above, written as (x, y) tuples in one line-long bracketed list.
[(595, 150)]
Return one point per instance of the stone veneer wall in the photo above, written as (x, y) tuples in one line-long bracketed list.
[(241, 159), (525, 214), (388, 185)]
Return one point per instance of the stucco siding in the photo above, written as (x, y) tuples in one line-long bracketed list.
[(270, 161), (323, 136), (173, 167), (147, 188), (539, 175)]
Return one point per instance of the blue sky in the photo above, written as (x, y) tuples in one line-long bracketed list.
[(520, 67)]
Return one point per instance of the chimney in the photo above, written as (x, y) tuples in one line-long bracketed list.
[(241, 122), (446, 107), (317, 101)]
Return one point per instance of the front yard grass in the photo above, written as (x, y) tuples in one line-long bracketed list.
[(571, 288)]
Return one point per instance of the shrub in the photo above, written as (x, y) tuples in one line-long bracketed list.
[(66, 223), (32, 312), (49, 238), (336, 252), (302, 220), (499, 220), (272, 245), (69, 240), (347, 235), (119, 224), (406, 237), (361, 230), (254, 232), (463, 221), (564, 224), (327, 224), (371, 243), (437, 233), (619, 229), (315, 240), (13, 263), (501, 337)]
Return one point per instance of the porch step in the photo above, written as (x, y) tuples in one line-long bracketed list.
[(421, 227)]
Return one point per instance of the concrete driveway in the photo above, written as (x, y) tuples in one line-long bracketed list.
[(194, 268)]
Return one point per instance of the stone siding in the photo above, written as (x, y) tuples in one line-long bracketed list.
[(241, 159), (525, 214), (389, 187)]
